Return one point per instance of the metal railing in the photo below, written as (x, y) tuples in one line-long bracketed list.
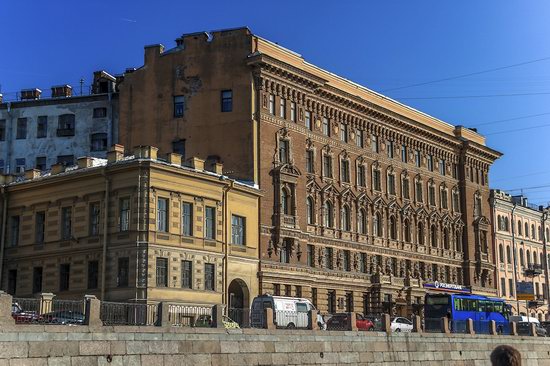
[(189, 316), (240, 315), (119, 313), (48, 311)]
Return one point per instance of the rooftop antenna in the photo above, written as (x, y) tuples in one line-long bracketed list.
[(81, 84)]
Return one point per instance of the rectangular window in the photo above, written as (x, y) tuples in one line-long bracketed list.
[(271, 104), (178, 147), (179, 106), (100, 112), (293, 111), (405, 188), (329, 257), (511, 286), (284, 151), (37, 280), (187, 274), (331, 301), (2, 130), (359, 139), (503, 287), (362, 262), (238, 230), (309, 161), (1, 166), (390, 149), (42, 127), (66, 223), (21, 132), (94, 218), (347, 261), (124, 214), (20, 165), (456, 202), (210, 223), (310, 254), (12, 281), (93, 274), (298, 291), (40, 163), (361, 179), (64, 276), (455, 170), (404, 153), (430, 159), (444, 199), (187, 218), (65, 125), (374, 144), (123, 271), (276, 289), (417, 158), (343, 132), (98, 142), (209, 277), (162, 272), (285, 252), (419, 197), (40, 221), (227, 100), (326, 126), (345, 171), (391, 184), (376, 184), (441, 166), (67, 160), (314, 296), (162, 215), (431, 191), (308, 123), (327, 166), (282, 108), (14, 229), (288, 291)]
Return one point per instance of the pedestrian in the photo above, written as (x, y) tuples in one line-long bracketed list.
[(505, 356)]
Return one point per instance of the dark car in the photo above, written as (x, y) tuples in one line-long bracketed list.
[(23, 316), (340, 321), (523, 329), (546, 325), (63, 317)]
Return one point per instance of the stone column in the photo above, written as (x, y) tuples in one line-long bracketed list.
[(386, 323), (5, 309), (532, 330), (470, 327), (492, 327), (417, 324), (445, 325), (312, 320), (163, 317), (513, 329), (352, 323), (268, 316), (46, 299), (92, 312), (217, 316)]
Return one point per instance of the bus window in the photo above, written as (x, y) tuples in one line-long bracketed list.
[(437, 300)]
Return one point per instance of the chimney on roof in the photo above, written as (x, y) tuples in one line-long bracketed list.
[(146, 152), (58, 168), (152, 52), (62, 91), (30, 94), (32, 173), (85, 162), (116, 153), (173, 158)]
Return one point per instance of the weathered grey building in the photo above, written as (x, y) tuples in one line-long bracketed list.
[(36, 132)]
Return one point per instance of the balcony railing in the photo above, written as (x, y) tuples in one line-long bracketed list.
[(533, 270)]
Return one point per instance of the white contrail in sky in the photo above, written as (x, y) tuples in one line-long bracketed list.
[(128, 20)]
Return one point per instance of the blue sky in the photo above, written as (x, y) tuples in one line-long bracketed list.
[(383, 45)]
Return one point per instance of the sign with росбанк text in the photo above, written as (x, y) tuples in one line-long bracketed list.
[(448, 287), (525, 291)]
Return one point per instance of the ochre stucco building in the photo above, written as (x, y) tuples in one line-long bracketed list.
[(364, 199), (131, 228)]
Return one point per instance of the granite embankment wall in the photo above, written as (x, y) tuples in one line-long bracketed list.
[(166, 346)]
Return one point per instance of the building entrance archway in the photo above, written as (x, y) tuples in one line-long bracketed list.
[(239, 301)]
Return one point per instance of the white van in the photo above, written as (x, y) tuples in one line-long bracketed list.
[(288, 312), (523, 319)]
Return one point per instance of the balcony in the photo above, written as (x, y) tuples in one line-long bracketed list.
[(63, 132), (533, 270)]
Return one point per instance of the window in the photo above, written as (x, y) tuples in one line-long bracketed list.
[(362, 222), (393, 228), (285, 202), (21, 129), (238, 230), (362, 261), (299, 294), (431, 195), (345, 171), (64, 276), (405, 188), (508, 255), (100, 112), (407, 231), (20, 165), (359, 138), (65, 125), (326, 126), (162, 214), (94, 218), (284, 151), (343, 132), (418, 185), (66, 223), (2, 130), (276, 289), (331, 301), (124, 214), (187, 274), (377, 225), (442, 167), (346, 219), (390, 149), (329, 257), (477, 209), (293, 111), (361, 179), (40, 220), (98, 142), (210, 223), (162, 272), (179, 106), (227, 100), (455, 170), (178, 147), (67, 160), (42, 127), (1, 166), (329, 215), (12, 281), (309, 126), (420, 233), (347, 261), (327, 166), (430, 163), (14, 229), (284, 257), (391, 184), (282, 108), (187, 218), (37, 280), (511, 286), (310, 254), (271, 104), (310, 211), (40, 163), (444, 200), (404, 153), (288, 292), (376, 184), (209, 276), (123, 271), (309, 161), (433, 236), (456, 202), (417, 158), (314, 296), (374, 144), (93, 274)]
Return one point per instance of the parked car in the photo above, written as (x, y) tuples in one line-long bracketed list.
[(63, 317), (288, 312), (400, 324), (205, 321), (523, 328), (340, 321), (22, 316), (546, 325)]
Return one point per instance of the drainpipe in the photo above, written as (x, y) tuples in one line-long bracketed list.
[(105, 234), (513, 225), (3, 235), (225, 297)]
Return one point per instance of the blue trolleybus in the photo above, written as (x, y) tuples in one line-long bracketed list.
[(458, 308)]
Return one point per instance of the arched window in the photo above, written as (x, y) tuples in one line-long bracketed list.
[(285, 202), (501, 253), (420, 233), (310, 211), (393, 228), (535, 258), (533, 232), (526, 230), (508, 255), (377, 225), (407, 230), (458, 241), (346, 219), (329, 214), (433, 236), (499, 222), (521, 259), (519, 228), (541, 260), (446, 238), (362, 222), (506, 224), (528, 255)]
